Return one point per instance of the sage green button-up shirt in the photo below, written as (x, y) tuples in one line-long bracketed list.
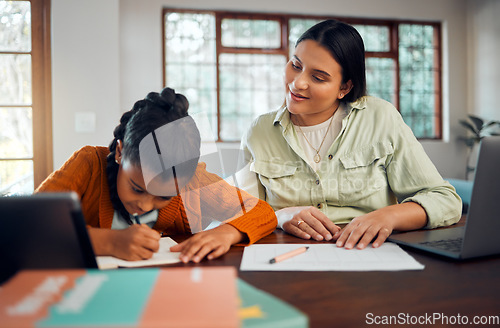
[(375, 161)]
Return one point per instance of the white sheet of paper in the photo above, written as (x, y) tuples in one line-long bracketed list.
[(163, 256), (328, 257)]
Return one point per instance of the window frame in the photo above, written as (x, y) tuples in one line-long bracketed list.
[(392, 53), (41, 104), (42, 91)]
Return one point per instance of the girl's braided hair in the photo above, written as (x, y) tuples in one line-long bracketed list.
[(147, 115)]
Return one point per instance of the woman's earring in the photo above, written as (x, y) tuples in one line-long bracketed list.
[(116, 161), (341, 95)]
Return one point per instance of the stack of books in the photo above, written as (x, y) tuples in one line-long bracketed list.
[(146, 297)]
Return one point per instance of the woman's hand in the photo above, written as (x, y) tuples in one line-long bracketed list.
[(363, 229), (210, 243), (137, 242), (376, 226), (306, 222)]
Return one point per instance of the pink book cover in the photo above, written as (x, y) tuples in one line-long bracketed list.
[(194, 297)]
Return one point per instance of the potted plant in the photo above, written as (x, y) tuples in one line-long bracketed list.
[(478, 128)]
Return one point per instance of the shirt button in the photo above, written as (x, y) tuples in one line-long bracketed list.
[(317, 182), (330, 156), (319, 206)]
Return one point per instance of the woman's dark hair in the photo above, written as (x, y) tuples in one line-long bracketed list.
[(347, 48), (146, 117)]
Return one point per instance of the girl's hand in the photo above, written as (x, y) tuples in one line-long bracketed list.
[(306, 222), (137, 242), (210, 243)]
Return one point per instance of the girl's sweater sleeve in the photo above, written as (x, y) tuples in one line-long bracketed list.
[(222, 202)]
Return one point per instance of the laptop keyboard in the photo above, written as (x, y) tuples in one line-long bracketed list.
[(451, 245)]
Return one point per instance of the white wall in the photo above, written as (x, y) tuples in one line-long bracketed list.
[(85, 72), (484, 65), (107, 54)]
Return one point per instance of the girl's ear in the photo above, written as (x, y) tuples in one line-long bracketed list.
[(118, 153), (345, 88)]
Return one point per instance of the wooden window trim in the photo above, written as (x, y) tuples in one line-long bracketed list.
[(438, 76), (42, 91)]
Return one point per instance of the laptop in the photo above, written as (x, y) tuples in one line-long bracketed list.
[(479, 236), (43, 231)]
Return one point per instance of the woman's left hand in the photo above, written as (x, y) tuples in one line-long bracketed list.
[(210, 243), (363, 229), (376, 226)]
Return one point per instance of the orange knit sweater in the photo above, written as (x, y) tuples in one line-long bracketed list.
[(207, 196)]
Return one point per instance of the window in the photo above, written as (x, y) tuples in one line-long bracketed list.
[(25, 133), (230, 65)]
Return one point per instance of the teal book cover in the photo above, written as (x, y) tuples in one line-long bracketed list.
[(263, 310)]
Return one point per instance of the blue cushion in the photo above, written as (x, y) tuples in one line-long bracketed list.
[(464, 190)]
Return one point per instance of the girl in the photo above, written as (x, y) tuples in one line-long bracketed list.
[(150, 175), (334, 155)]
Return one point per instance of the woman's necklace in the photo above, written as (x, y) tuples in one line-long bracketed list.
[(317, 157)]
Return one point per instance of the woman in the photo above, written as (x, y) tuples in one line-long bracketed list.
[(332, 154), (148, 183)]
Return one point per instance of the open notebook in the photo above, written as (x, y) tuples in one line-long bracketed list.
[(163, 256)]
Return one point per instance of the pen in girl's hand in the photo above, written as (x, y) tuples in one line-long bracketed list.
[(136, 218), (287, 255)]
